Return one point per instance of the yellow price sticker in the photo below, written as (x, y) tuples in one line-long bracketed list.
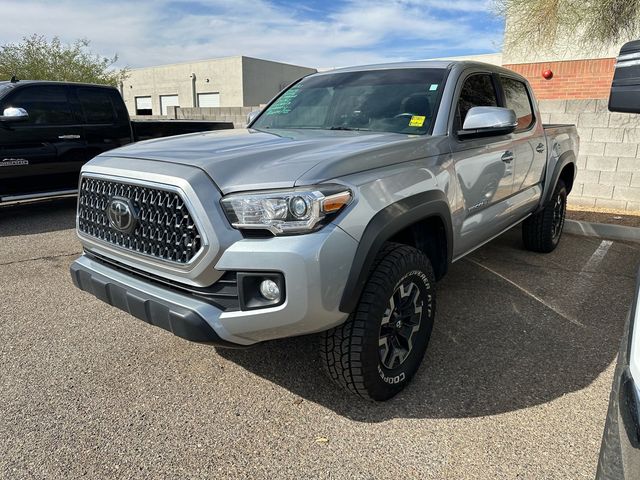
[(417, 121)]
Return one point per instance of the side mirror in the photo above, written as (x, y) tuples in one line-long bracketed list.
[(13, 114), (252, 116), (489, 121), (625, 89)]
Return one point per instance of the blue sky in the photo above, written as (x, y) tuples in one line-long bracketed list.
[(312, 33)]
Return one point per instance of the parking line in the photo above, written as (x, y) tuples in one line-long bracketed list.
[(597, 256), (527, 292)]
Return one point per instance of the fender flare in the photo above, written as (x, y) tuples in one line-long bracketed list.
[(565, 159), (384, 225)]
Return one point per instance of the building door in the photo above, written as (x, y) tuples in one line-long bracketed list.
[(208, 100), (167, 101), (144, 106)]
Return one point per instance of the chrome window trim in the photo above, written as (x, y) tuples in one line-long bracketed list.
[(193, 272)]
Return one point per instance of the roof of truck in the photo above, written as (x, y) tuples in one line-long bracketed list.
[(49, 82), (437, 64)]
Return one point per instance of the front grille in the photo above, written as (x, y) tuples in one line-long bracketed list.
[(164, 228)]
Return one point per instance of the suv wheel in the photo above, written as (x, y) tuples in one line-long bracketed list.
[(376, 352), (541, 232)]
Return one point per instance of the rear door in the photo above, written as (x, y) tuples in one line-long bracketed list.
[(528, 141), (106, 119), (45, 152), (483, 166)]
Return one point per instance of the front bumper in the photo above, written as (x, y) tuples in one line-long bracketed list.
[(315, 268), (154, 305)]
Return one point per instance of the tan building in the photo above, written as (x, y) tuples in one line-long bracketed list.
[(223, 82)]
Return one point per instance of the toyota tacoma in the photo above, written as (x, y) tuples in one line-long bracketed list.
[(335, 211)]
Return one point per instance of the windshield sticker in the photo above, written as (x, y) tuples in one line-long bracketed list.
[(433, 87), (282, 106), (417, 121)]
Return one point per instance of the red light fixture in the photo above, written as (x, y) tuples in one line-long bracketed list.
[(547, 74)]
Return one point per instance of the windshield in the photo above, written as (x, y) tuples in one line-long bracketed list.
[(394, 100)]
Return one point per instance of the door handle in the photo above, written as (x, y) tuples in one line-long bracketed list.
[(507, 157), (540, 148), (68, 137)]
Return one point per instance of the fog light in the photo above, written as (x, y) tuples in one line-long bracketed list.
[(269, 290)]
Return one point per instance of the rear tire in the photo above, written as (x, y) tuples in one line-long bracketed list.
[(376, 352), (541, 232)]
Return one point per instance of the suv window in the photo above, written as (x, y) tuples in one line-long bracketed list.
[(96, 105), (477, 91), (517, 99), (46, 104)]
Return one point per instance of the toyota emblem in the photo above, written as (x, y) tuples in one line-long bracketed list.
[(121, 215)]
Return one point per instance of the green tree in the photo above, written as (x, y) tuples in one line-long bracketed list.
[(589, 22), (36, 58)]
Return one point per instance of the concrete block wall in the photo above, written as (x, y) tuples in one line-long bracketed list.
[(609, 160), (237, 115)]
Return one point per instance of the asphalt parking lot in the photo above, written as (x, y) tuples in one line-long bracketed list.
[(515, 383)]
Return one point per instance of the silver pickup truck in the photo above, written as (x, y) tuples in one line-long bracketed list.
[(335, 211)]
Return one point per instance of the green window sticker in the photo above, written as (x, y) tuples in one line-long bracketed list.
[(282, 106)]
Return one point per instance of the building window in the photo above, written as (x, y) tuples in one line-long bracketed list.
[(143, 106), (209, 99), (167, 101)]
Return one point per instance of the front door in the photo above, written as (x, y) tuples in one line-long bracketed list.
[(45, 152), (484, 168)]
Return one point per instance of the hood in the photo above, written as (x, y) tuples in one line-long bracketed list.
[(239, 160)]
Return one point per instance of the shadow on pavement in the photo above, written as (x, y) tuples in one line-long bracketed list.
[(495, 348), (39, 217)]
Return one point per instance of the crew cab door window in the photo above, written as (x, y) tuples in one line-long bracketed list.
[(477, 91), (96, 105), (517, 99), (46, 105), (484, 177)]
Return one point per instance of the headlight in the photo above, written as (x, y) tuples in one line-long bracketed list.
[(285, 212)]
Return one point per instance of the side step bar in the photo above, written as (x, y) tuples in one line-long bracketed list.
[(37, 196)]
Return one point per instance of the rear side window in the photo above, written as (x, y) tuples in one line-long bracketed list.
[(118, 104), (46, 104), (96, 105), (477, 91), (517, 99)]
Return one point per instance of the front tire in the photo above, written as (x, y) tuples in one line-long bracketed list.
[(541, 232), (376, 352)]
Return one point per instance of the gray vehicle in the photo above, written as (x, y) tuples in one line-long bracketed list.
[(335, 211)]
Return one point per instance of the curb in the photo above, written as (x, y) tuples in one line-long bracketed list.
[(602, 230)]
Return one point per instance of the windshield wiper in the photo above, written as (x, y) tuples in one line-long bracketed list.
[(348, 129)]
